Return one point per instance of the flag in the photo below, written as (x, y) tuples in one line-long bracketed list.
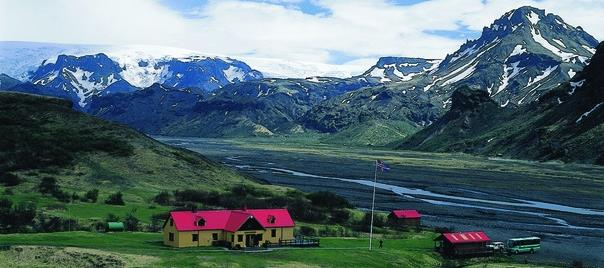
[(382, 166)]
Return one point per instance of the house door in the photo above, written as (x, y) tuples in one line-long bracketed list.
[(249, 240), (253, 240)]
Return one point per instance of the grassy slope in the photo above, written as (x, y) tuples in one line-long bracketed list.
[(373, 132), (146, 168)]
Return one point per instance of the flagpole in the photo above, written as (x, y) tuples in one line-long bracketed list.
[(372, 204)]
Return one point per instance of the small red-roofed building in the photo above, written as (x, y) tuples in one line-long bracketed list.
[(231, 228), (464, 244), (405, 219)]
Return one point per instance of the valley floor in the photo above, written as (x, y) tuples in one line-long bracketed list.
[(85, 249), (561, 203)]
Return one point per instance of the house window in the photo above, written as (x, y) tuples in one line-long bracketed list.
[(171, 236), (215, 236), (171, 222), (195, 237), (274, 233), (240, 238), (232, 238), (201, 222)]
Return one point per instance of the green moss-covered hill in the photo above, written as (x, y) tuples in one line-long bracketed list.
[(43, 136)]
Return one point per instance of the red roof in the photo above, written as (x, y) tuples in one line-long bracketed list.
[(466, 237), (230, 220), (406, 214)]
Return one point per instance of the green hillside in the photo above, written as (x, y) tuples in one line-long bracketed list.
[(372, 133), (44, 139)]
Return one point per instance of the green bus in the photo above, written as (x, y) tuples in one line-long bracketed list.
[(520, 245)]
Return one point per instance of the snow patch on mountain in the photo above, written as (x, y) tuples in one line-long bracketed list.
[(575, 85), (565, 56), (462, 75), (586, 114), (542, 76), (505, 78), (518, 50), (234, 74)]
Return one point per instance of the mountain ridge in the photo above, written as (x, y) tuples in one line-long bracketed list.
[(562, 125)]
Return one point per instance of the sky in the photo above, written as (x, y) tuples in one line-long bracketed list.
[(343, 32)]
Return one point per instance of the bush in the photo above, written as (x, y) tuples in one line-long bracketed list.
[(91, 195), (55, 224), (61, 196), (131, 222), (328, 200), (302, 210), (365, 223), (157, 221), (48, 185), (9, 179), (163, 198), (308, 231), (16, 217), (339, 216), (115, 199), (112, 218)]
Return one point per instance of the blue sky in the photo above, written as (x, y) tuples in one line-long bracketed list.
[(342, 32)]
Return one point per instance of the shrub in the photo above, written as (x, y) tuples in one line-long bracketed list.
[(112, 218), (339, 216), (16, 217), (328, 200), (157, 221), (365, 223), (61, 196), (55, 224), (9, 179), (308, 231), (91, 195), (48, 185), (131, 222), (115, 199), (163, 198)]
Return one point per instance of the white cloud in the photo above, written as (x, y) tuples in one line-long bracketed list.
[(270, 29)]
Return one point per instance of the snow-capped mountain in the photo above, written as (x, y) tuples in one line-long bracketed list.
[(396, 69), (17, 59), (124, 69), (278, 68), (81, 77), (517, 58)]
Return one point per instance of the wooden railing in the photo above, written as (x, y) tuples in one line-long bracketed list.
[(297, 242)]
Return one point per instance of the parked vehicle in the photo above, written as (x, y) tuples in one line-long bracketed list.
[(522, 245), (497, 246)]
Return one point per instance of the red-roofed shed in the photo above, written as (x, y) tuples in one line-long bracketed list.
[(464, 244), (404, 219)]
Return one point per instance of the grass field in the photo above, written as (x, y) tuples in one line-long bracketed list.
[(146, 249)]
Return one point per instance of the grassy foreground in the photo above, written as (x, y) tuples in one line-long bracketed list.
[(147, 250), (85, 249)]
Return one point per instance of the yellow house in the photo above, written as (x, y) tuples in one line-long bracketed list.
[(231, 228)]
